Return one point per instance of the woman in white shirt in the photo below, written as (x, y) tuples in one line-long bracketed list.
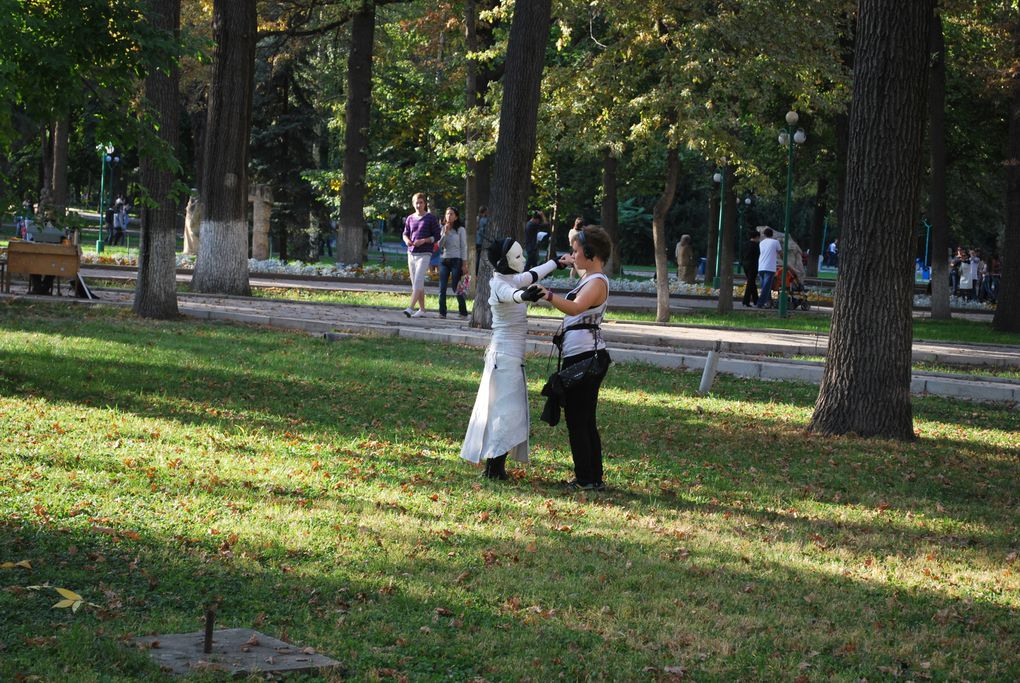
[(584, 308)]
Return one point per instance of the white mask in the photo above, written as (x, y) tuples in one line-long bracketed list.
[(515, 257)]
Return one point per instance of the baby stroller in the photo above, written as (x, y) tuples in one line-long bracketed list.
[(794, 288)]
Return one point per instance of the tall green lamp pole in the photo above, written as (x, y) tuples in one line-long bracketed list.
[(721, 179), (105, 152), (786, 138)]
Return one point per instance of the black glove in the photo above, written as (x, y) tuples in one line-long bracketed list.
[(532, 293)]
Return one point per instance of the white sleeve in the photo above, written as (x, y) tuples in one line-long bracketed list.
[(502, 290), (534, 275)]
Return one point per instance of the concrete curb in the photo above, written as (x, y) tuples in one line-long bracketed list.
[(627, 346)]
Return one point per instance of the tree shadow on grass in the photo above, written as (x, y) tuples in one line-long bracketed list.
[(269, 381), (584, 605)]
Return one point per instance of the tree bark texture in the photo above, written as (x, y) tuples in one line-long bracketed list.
[(866, 383), (938, 210), (713, 236), (261, 211), (61, 131), (46, 193), (611, 209), (156, 293), (478, 36), (729, 227), (815, 245), (1007, 309), (515, 147), (356, 115), (222, 264), (659, 213)]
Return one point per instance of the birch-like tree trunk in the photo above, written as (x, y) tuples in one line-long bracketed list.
[(611, 210), (515, 148), (729, 228), (713, 235), (659, 213), (61, 132), (815, 245), (222, 263), (866, 383), (156, 293)]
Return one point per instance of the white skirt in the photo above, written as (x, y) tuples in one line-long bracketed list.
[(500, 420)]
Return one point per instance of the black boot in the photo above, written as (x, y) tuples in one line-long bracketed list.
[(495, 468), (499, 468)]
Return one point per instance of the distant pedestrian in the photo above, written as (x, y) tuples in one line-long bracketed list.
[(110, 217), (833, 254), (120, 222), (769, 250), (536, 223), (749, 254), (453, 260), (686, 265), (571, 234), (975, 270), (421, 232)]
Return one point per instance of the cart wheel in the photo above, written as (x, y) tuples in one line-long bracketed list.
[(805, 306)]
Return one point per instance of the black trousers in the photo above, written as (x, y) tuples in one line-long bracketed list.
[(579, 407), (751, 288)]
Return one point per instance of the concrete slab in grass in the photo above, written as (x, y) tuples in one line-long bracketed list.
[(235, 651)]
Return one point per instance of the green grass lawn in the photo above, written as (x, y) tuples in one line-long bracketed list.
[(315, 490)]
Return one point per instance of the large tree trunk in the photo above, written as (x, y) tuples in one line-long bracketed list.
[(866, 383), (156, 293), (222, 264), (611, 209), (729, 227), (938, 212), (61, 131), (659, 213), (816, 237), (713, 236), (515, 148), (356, 113), (478, 36), (1007, 310)]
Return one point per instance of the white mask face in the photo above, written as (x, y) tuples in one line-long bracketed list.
[(515, 257)]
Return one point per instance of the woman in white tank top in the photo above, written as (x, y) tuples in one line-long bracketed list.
[(584, 308)]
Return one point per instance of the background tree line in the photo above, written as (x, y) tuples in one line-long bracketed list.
[(346, 107)]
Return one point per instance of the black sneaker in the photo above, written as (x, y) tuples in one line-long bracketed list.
[(577, 485)]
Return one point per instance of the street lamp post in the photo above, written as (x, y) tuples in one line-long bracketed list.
[(721, 179), (787, 138), (105, 155)]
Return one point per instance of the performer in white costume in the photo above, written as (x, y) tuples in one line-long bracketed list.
[(500, 419)]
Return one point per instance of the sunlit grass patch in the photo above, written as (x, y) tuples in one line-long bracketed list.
[(316, 490)]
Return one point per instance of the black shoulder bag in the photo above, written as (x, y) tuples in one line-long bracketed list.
[(589, 369)]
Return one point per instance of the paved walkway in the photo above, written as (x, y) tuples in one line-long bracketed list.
[(756, 354)]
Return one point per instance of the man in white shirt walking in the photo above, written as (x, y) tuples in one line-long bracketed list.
[(769, 250)]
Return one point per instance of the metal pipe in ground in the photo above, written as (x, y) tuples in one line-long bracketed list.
[(708, 375)]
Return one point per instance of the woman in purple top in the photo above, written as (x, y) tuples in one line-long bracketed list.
[(421, 231)]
